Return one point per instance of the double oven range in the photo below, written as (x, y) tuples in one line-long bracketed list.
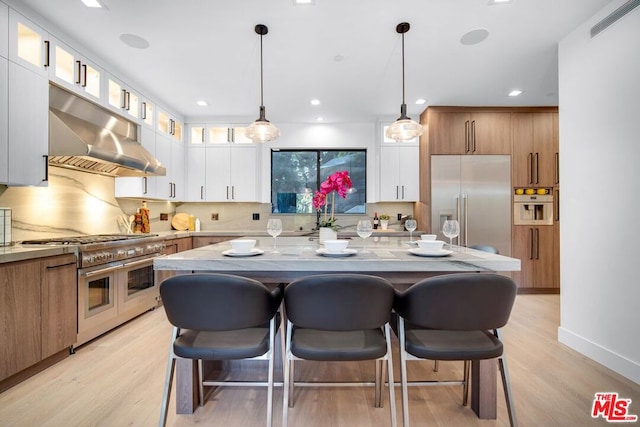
[(116, 281)]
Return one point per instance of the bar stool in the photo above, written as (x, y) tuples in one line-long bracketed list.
[(338, 317)]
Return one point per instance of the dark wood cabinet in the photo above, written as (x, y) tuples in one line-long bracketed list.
[(38, 302), (59, 304)]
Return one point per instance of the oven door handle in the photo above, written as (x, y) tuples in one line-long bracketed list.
[(101, 271), (138, 262)]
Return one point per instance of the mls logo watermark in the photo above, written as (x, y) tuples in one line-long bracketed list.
[(612, 408)]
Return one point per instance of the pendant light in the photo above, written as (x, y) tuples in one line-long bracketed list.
[(403, 129), (261, 130)]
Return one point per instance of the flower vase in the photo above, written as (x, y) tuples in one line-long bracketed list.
[(327, 233), (384, 224)]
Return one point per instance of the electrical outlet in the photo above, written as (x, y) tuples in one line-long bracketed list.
[(214, 217), (256, 217), (164, 217), (399, 217)]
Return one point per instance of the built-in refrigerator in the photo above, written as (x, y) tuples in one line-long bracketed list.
[(476, 191)]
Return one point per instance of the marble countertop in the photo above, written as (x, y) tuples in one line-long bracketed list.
[(18, 252), (23, 253), (298, 255)]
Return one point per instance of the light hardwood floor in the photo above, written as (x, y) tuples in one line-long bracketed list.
[(117, 380)]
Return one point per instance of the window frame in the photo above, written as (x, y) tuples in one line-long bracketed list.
[(319, 178)]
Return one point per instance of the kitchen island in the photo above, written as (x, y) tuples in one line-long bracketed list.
[(389, 257)]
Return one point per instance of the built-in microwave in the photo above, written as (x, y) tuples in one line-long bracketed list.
[(534, 209)]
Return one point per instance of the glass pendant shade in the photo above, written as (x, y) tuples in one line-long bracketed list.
[(262, 130), (404, 130)]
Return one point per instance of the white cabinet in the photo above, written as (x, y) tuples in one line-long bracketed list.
[(4, 34), (71, 70), (399, 172), (196, 174), (4, 117), (169, 125), (26, 88), (28, 126), (170, 154), (28, 44), (231, 173), (122, 99)]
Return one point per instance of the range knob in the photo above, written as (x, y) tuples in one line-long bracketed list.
[(88, 259), (139, 251), (121, 253)]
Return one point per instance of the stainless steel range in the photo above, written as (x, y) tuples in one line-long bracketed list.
[(116, 281)]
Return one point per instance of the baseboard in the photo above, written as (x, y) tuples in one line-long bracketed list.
[(617, 363), (524, 291)]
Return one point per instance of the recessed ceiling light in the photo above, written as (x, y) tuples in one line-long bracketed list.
[(92, 3), (202, 103), (315, 102), (304, 2), (515, 92), (421, 101), (320, 119), (494, 2)]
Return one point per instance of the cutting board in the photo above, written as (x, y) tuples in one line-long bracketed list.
[(180, 221)]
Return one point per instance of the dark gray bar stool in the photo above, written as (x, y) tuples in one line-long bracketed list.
[(455, 317), (220, 317), (339, 317)]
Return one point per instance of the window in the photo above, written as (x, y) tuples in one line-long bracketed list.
[(297, 174)]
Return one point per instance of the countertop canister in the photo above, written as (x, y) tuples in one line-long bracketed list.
[(5, 226)]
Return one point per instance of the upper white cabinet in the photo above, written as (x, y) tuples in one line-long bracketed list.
[(231, 173), (399, 173), (71, 70), (122, 98), (28, 44), (28, 126), (4, 118), (27, 104), (4, 34), (169, 125), (221, 165)]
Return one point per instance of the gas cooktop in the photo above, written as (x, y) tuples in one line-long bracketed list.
[(86, 240)]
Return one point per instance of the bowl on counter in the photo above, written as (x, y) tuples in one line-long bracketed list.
[(430, 245), (428, 236), (337, 245), (242, 245)]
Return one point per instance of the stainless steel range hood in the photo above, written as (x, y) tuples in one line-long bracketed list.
[(87, 137)]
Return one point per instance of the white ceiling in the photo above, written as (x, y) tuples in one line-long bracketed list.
[(207, 49)]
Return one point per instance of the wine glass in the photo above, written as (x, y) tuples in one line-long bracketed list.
[(410, 225), (451, 229), (274, 228), (364, 230)]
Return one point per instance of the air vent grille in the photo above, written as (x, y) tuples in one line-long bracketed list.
[(613, 17)]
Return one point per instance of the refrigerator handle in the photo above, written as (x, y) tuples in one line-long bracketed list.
[(465, 197)]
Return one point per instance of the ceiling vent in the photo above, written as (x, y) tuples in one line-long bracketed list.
[(614, 16)]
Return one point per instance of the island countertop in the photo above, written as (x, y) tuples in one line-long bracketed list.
[(297, 256)]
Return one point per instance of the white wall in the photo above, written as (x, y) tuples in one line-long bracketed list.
[(600, 179)]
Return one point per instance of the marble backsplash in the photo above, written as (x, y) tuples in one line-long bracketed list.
[(76, 203)]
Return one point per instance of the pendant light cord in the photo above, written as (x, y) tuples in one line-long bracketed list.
[(403, 68), (261, 75)]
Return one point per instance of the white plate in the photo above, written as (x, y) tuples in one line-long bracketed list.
[(232, 252), (346, 252), (423, 252)]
